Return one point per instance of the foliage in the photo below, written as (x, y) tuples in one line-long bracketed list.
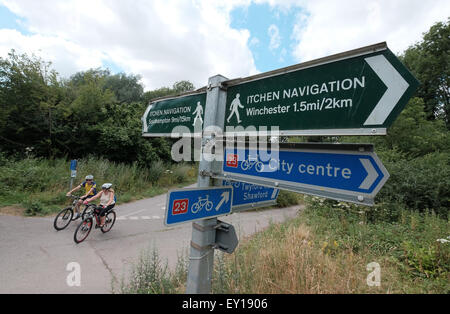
[(39, 185), (429, 61), (177, 88), (287, 198), (408, 242), (421, 184), (92, 113), (150, 275)]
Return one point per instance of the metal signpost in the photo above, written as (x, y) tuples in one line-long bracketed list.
[(350, 172), (359, 92), (201, 258), (251, 196), (199, 203)]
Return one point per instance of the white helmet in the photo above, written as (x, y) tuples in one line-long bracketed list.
[(106, 186), (90, 177)]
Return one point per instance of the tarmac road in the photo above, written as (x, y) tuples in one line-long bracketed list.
[(34, 257)]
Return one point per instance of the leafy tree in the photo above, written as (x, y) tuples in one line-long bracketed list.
[(414, 135), (177, 88), (183, 86), (126, 88), (29, 96), (429, 60)]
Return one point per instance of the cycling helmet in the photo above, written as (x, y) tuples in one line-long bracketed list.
[(106, 186), (90, 177)]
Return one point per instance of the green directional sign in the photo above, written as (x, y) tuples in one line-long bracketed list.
[(359, 92), (185, 112)]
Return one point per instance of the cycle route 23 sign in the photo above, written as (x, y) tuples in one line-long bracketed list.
[(185, 205)]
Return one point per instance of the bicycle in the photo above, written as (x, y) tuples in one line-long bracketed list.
[(250, 162), (65, 216), (84, 228), (198, 206)]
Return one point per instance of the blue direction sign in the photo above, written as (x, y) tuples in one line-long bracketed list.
[(73, 168), (353, 174), (247, 196), (199, 203)]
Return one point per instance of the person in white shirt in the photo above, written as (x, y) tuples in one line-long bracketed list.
[(107, 202)]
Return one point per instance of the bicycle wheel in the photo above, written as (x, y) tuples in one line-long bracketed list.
[(63, 219), (83, 230), (109, 221), (208, 206), (195, 208), (89, 209), (259, 166), (244, 165)]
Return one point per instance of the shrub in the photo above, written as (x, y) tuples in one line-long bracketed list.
[(181, 173), (287, 198), (150, 275), (421, 183), (156, 170), (34, 208)]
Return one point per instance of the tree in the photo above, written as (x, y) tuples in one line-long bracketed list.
[(177, 88), (29, 95), (126, 88), (183, 86), (429, 61)]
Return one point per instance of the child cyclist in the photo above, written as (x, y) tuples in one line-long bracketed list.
[(107, 202)]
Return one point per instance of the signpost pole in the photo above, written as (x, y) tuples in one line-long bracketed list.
[(201, 259)]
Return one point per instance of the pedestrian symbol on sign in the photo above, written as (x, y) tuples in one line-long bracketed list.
[(235, 105), (198, 112)]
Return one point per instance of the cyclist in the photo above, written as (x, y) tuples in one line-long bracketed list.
[(107, 202), (90, 188)]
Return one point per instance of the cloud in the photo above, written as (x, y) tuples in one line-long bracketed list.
[(329, 27), (275, 38), (170, 40), (164, 41)]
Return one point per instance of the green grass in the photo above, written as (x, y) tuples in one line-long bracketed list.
[(151, 275), (327, 248), (39, 185)]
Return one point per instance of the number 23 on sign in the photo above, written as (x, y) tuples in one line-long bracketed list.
[(180, 206)]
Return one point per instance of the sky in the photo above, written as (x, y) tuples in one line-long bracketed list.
[(165, 41)]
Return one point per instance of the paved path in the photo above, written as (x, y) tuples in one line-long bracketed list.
[(34, 256)]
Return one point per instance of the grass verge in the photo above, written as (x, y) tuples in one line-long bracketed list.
[(328, 248), (38, 186)]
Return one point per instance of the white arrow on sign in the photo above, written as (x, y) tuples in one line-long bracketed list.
[(396, 87), (372, 174), (225, 199), (274, 193)]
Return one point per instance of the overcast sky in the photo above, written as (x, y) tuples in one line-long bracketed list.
[(171, 40)]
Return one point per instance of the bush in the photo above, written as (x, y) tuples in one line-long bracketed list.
[(34, 208), (151, 276), (287, 198), (429, 261), (156, 170), (421, 183), (181, 173)]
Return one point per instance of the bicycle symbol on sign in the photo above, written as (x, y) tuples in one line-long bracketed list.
[(198, 206), (252, 162)]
